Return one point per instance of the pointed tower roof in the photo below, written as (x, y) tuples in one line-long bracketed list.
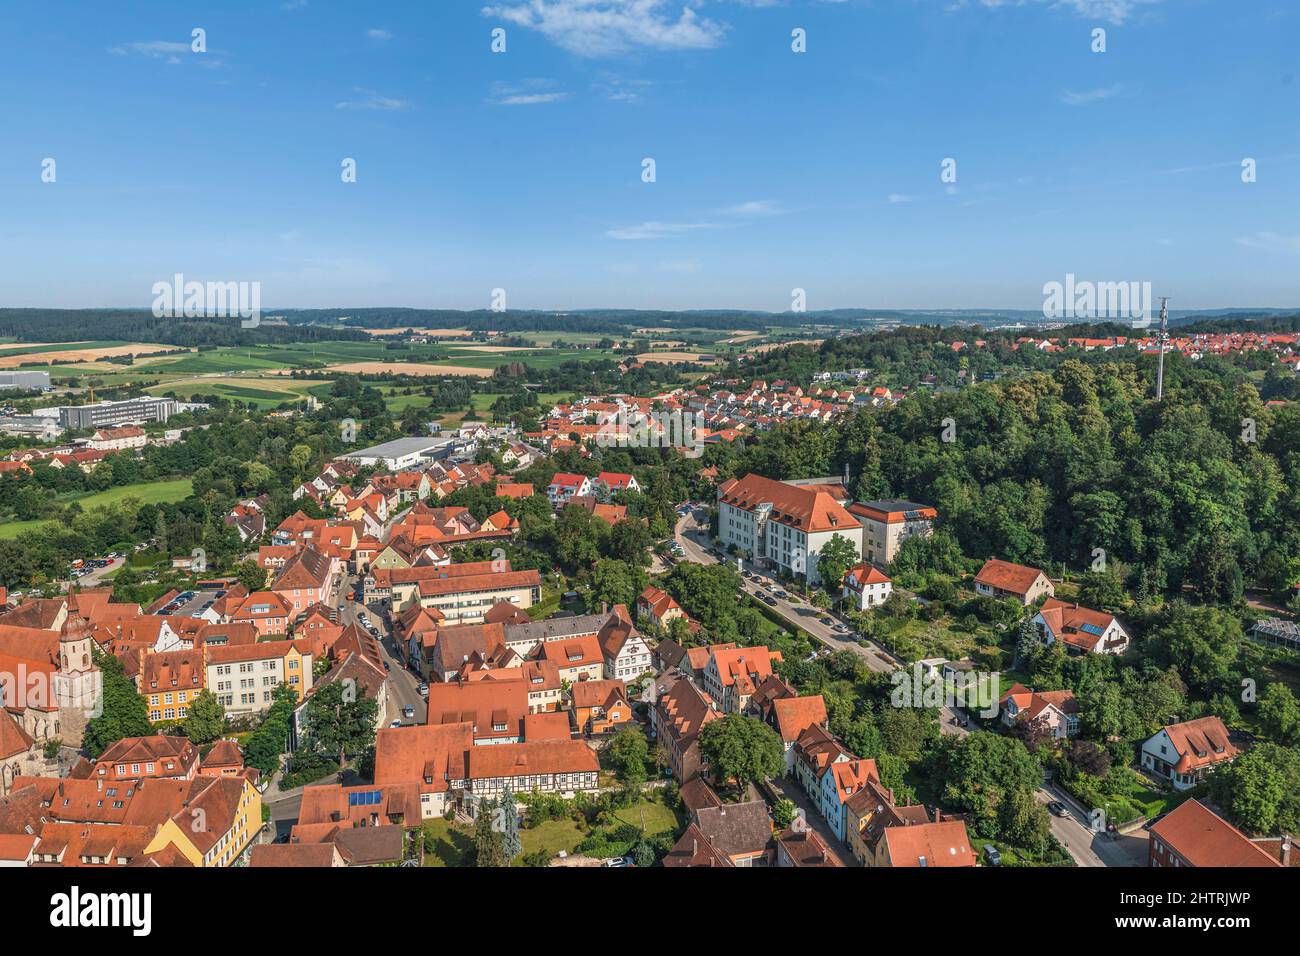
[(75, 627)]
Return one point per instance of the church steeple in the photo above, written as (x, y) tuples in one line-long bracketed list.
[(75, 638)]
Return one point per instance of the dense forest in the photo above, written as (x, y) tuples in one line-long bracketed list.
[(1050, 466), (141, 325)]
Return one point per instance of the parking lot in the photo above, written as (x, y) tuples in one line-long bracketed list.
[(191, 603)]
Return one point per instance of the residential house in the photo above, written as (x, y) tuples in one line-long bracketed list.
[(244, 676), (731, 834), (800, 845), (135, 758), (887, 523), (1185, 753), (578, 658), (564, 486), (680, 712), (600, 706), (1002, 579), (625, 652), (170, 681), (1081, 630), (1056, 709), (733, 674), (866, 587), (656, 607), (1194, 835)]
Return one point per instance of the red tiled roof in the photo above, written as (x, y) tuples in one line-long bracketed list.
[(808, 508), (1203, 838), (1005, 576)]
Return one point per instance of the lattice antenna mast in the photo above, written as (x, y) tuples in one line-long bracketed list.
[(1164, 341)]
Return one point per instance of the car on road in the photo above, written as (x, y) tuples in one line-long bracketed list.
[(840, 629), (424, 690), (1058, 809), (783, 596), (991, 855), (769, 600), (408, 711), (387, 666), (396, 723)]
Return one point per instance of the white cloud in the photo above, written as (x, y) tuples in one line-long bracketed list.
[(658, 230), (758, 207), (532, 92), (378, 34), (1111, 11), (1272, 241), (896, 198), (598, 28), (373, 101), (1084, 97), (167, 50)]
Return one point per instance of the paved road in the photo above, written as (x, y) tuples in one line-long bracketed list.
[(403, 685), (1087, 848)]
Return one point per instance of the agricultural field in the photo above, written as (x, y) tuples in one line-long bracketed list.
[(151, 493)]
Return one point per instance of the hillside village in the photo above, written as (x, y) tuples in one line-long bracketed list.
[(397, 673)]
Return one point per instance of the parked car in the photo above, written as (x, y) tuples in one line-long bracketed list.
[(396, 723), (408, 711), (618, 861), (991, 855), (424, 690), (1058, 809)]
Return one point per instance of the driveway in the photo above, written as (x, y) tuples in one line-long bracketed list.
[(788, 787)]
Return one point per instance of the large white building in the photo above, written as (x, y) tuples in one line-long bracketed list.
[(401, 453), (784, 526)]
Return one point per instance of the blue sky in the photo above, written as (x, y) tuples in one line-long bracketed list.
[(774, 170)]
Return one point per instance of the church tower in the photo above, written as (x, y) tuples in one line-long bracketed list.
[(78, 683)]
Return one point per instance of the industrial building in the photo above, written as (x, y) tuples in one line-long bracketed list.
[(25, 380), (128, 412)]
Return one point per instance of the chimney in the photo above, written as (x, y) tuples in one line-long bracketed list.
[(1286, 850)]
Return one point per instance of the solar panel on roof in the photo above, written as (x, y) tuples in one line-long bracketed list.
[(1092, 629), (365, 798)]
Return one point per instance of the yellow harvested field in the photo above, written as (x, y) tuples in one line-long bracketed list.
[(780, 345), (671, 357), (409, 368), (82, 355), (742, 337)]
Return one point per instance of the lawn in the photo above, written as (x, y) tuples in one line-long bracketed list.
[(654, 817), (551, 836), (452, 845), (151, 493), (446, 845)]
